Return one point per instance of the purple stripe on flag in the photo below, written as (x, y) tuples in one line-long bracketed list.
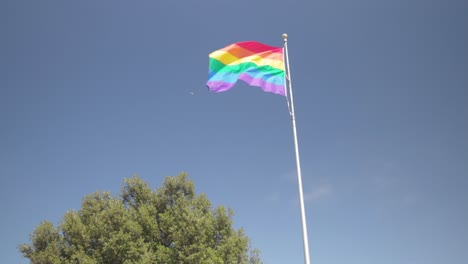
[(220, 86), (266, 86)]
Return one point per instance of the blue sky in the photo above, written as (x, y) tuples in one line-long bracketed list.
[(92, 92)]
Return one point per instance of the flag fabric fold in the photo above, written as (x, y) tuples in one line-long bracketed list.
[(253, 62)]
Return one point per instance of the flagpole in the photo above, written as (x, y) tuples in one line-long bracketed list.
[(296, 146)]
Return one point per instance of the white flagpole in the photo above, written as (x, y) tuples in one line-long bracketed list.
[(298, 163)]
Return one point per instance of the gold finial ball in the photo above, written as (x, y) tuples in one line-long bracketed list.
[(285, 36)]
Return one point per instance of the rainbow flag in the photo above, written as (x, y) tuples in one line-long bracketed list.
[(252, 62)]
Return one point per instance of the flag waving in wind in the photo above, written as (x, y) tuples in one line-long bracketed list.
[(255, 63)]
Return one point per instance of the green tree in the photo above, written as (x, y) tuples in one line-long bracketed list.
[(171, 225)]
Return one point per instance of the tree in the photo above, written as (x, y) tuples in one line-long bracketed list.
[(171, 225)]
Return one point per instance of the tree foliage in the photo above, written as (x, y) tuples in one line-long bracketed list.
[(170, 225)]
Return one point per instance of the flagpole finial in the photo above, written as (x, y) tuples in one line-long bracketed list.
[(285, 37)]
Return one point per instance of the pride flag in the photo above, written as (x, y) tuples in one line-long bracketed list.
[(255, 63)]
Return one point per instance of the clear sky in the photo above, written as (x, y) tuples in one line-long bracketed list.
[(93, 91)]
